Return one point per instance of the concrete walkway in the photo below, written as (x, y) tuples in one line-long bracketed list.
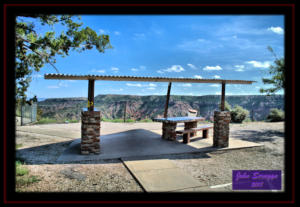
[(160, 175)]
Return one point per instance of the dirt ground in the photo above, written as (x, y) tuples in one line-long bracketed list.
[(40, 150)]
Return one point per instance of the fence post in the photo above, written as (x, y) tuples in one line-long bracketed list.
[(125, 108), (22, 115)]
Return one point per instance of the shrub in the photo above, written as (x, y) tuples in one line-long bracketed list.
[(39, 114), (46, 121), (20, 170), (23, 177), (146, 120), (275, 115), (238, 114)]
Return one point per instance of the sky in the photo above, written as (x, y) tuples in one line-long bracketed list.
[(191, 46)]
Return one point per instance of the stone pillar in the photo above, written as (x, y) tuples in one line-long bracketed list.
[(169, 131), (90, 132), (188, 125), (221, 128)]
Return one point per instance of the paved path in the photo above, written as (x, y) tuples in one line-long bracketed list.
[(160, 175)]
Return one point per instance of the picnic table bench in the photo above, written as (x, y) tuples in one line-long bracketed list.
[(188, 132), (169, 126)]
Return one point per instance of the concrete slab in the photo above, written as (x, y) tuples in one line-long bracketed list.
[(160, 175), (166, 180), (140, 142), (146, 165), (58, 130), (127, 144)]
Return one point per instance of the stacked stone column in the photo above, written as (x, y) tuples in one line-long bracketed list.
[(221, 128), (169, 131), (189, 125), (90, 132)]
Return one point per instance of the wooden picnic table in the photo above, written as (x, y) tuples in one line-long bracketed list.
[(170, 124)]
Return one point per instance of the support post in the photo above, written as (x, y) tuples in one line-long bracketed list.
[(91, 95), (125, 108), (223, 97), (167, 101), (22, 115)]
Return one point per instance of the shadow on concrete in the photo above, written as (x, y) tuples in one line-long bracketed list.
[(133, 144), (43, 154), (258, 136)]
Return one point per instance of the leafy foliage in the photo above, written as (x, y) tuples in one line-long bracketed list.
[(34, 50), (23, 177), (238, 114), (20, 170), (277, 72), (275, 115), (227, 106), (39, 114)]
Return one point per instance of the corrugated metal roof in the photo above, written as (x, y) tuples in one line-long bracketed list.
[(145, 79)]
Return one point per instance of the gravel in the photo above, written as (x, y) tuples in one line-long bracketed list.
[(214, 168)]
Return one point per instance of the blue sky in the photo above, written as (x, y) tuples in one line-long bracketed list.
[(193, 46)]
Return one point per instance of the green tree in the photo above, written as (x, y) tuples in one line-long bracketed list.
[(238, 114), (277, 72), (34, 50)]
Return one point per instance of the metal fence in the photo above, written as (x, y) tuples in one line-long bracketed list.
[(26, 114)]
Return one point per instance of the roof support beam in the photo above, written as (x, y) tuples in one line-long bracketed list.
[(145, 79), (91, 95), (167, 101), (223, 97)]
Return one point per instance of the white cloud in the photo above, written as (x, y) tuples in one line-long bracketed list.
[(142, 67), (139, 36), (134, 84), (212, 68), (100, 71), (134, 69), (239, 68), (277, 30), (217, 76), (115, 69), (187, 85), (116, 90), (37, 76), (215, 85), (102, 31), (258, 64), (152, 85), (97, 71), (117, 33), (52, 87), (197, 45), (192, 66), (198, 76), (173, 68), (59, 85), (151, 88), (62, 84)]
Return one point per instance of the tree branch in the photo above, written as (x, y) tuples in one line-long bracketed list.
[(43, 55)]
